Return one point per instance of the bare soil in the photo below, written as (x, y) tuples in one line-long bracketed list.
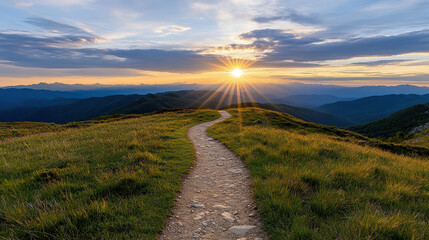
[(216, 200)]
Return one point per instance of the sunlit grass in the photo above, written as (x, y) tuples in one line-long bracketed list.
[(312, 183), (19, 129), (112, 180)]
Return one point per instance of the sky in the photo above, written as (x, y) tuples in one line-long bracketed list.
[(343, 42)]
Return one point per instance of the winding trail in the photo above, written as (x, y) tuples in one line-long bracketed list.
[(216, 199)]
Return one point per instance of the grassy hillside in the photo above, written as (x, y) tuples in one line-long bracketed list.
[(80, 110), (420, 139), (90, 108), (20, 129), (402, 121), (301, 113), (316, 182), (369, 109), (114, 180)]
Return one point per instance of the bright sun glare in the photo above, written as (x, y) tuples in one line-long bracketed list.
[(237, 72)]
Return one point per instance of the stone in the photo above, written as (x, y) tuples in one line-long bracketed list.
[(221, 207), (199, 216), (241, 229), (228, 216), (235, 170), (206, 223), (259, 121), (196, 205)]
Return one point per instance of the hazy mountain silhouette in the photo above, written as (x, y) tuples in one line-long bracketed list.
[(12, 98), (369, 109), (309, 101)]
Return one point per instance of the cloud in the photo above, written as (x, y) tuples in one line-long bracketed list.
[(381, 62), (54, 26), (288, 15), (171, 29), (24, 4), (54, 52), (410, 78), (289, 47), (16, 72), (65, 2)]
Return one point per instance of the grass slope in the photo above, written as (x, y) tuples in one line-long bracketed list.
[(90, 108), (312, 182), (299, 112), (20, 129), (402, 121), (114, 180)]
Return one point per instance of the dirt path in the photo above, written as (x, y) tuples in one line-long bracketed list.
[(216, 200)]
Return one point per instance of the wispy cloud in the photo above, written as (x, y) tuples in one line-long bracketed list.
[(381, 62), (65, 2), (57, 27), (289, 15), (24, 4), (171, 29)]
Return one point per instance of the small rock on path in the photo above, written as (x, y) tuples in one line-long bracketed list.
[(216, 198)]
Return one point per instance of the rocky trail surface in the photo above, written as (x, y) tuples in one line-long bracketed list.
[(216, 199)]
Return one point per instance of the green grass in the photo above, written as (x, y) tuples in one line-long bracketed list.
[(315, 182), (19, 129), (112, 180)]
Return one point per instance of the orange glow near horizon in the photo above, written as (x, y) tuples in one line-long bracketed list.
[(345, 75)]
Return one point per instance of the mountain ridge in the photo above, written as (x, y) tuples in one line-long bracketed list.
[(372, 108)]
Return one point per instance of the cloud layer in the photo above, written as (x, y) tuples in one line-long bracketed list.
[(188, 36)]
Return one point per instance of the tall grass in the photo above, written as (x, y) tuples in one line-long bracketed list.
[(112, 180), (310, 183)]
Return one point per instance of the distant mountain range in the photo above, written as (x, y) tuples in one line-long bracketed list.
[(270, 91), (340, 105), (369, 109), (89, 108), (13, 98), (352, 92), (101, 90), (401, 121), (309, 101)]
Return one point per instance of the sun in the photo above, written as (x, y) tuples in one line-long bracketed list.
[(237, 72)]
